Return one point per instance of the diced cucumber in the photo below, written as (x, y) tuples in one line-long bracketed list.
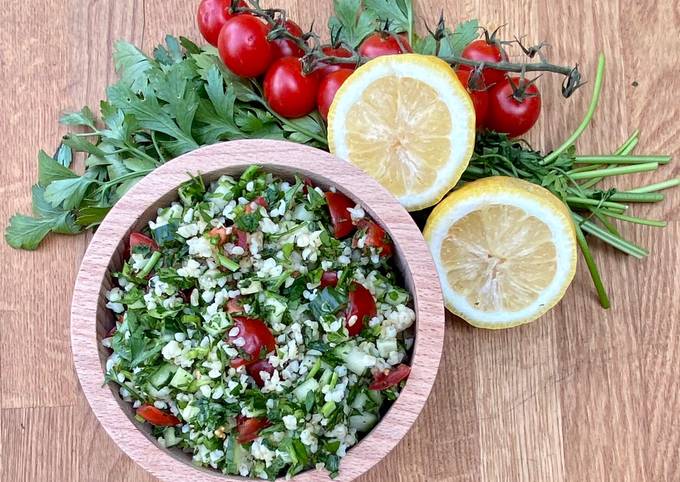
[(182, 379), (190, 411), (356, 360), (304, 388), (363, 422), (325, 378), (359, 401), (273, 305), (240, 454), (396, 296), (161, 376), (170, 437), (376, 396), (248, 287)]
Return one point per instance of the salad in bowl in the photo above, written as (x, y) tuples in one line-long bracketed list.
[(261, 325)]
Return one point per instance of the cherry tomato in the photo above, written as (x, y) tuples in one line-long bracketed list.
[(389, 378), (327, 89), (211, 17), (361, 304), (139, 239), (234, 305), (375, 237), (257, 367), (288, 91), (258, 340), (480, 97), (329, 278), (157, 417), (244, 47), (381, 43), (511, 116), (340, 217), (285, 47), (249, 428), (481, 50), (324, 68)]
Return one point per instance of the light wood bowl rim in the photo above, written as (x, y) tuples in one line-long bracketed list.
[(134, 209)]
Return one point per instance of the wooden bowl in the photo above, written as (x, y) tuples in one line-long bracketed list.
[(90, 319)]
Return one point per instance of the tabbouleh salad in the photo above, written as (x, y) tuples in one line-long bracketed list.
[(261, 327)]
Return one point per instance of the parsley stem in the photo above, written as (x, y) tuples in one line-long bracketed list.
[(150, 264), (616, 171), (594, 202), (632, 140), (592, 267), (597, 88), (626, 196), (605, 222), (125, 177), (633, 219), (659, 186), (615, 241), (614, 159)]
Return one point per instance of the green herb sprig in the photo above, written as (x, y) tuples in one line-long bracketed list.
[(163, 106)]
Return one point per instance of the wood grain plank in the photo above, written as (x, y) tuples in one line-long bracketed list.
[(39, 444)]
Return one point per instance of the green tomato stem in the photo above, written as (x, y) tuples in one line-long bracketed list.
[(597, 88), (592, 267)]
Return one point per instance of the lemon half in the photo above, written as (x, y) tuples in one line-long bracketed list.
[(505, 251), (407, 121)]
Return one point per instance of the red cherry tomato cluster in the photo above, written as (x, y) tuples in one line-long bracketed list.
[(502, 103), (246, 49)]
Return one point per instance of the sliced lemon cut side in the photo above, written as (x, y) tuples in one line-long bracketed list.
[(505, 251), (407, 121)]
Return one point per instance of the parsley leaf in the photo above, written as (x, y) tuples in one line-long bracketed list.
[(399, 13), (248, 221), (350, 23)]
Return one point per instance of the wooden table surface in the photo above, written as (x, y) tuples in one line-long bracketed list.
[(583, 394)]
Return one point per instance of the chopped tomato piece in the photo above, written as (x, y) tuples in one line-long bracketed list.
[(307, 184), (157, 417), (258, 201), (257, 367), (329, 278), (139, 239), (234, 305), (388, 378), (375, 237), (257, 340), (342, 220), (240, 238), (220, 233), (360, 304), (249, 428)]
